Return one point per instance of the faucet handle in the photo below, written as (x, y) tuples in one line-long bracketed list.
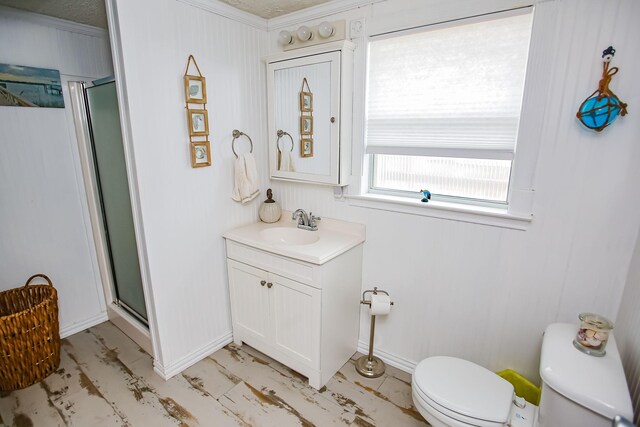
[(313, 219)]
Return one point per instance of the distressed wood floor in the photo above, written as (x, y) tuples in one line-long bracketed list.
[(105, 379)]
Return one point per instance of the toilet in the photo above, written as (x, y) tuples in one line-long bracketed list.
[(578, 390)]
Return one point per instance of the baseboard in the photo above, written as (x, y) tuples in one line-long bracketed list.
[(85, 324), (192, 358), (389, 358)]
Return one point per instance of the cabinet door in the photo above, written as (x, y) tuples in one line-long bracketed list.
[(314, 122), (295, 311), (249, 300)]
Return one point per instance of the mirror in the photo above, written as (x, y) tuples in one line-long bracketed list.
[(310, 129), (304, 104)]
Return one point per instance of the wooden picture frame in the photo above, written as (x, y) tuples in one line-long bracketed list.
[(200, 154), (306, 102), (195, 89), (306, 125), (306, 147), (198, 122)]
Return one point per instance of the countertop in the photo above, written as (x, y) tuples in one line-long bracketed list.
[(335, 237)]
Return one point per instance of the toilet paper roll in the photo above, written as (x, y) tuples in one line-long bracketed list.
[(380, 304)]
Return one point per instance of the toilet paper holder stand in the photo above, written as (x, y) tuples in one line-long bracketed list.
[(371, 366)]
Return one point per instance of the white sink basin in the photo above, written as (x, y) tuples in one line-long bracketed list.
[(283, 238), (289, 236)]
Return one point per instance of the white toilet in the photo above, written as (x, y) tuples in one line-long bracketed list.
[(578, 390)]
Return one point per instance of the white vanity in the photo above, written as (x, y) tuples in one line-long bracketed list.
[(295, 294)]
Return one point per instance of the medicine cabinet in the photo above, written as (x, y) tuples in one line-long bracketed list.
[(309, 94)]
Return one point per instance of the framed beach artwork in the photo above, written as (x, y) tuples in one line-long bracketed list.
[(22, 86)]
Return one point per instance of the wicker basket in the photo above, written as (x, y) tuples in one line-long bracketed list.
[(29, 334)]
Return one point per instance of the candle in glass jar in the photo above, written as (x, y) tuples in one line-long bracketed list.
[(593, 334)]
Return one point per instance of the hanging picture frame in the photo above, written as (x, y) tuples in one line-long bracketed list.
[(306, 147), (198, 122), (200, 154), (306, 125), (195, 89), (306, 102), (195, 86)]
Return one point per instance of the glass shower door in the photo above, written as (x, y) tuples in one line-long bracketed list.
[(108, 151)]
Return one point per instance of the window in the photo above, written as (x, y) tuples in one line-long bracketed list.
[(443, 106)]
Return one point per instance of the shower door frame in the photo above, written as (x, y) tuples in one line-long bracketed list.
[(126, 321)]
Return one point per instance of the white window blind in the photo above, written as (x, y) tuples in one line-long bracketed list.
[(453, 91)]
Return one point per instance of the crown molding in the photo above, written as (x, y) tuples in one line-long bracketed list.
[(316, 12), (49, 21), (230, 12)]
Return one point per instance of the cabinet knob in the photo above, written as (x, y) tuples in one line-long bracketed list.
[(333, 119), (263, 282), (269, 285)]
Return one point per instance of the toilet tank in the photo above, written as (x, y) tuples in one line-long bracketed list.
[(578, 389)]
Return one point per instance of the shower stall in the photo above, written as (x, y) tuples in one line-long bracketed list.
[(99, 131)]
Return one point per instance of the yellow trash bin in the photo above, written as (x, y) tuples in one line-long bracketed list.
[(523, 387)]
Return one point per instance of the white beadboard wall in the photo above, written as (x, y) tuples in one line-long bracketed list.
[(185, 211), (627, 331), (44, 222), (485, 293), (473, 291)]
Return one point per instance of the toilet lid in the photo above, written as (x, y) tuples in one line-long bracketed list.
[(464, 388)]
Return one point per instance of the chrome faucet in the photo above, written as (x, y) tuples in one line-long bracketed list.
[(306, 222), (303, 218)]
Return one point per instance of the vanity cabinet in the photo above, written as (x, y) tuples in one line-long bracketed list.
[(304, 315), (276, 310), (320, 153)]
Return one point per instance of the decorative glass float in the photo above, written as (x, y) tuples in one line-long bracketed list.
[(603, 106)]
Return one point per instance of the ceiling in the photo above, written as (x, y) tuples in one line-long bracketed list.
[(92, 12), (89, 12), (272, 8)]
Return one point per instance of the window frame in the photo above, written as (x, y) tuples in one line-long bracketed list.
[(518, 212), (434, 196)]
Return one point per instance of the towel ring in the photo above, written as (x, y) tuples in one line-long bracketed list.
[(237, 134), (280, 134)]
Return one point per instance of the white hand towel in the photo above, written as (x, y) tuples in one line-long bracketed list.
[(246, 179), (286, 163)]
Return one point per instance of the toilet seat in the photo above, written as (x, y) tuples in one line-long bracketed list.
[(463, 391), (429, 408)]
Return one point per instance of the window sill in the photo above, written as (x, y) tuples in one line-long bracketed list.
[(494, 217)]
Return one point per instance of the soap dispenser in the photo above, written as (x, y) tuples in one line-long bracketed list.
[(270, 210)]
